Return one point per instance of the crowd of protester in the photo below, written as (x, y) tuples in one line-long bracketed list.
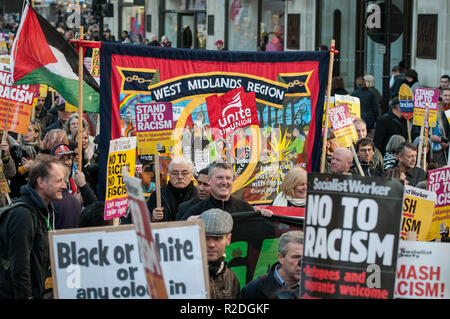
[(42, 169)]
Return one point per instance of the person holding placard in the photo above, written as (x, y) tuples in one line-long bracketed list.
[(224, 283), (179, 190)]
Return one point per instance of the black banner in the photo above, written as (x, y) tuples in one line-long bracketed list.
[(352, 230)]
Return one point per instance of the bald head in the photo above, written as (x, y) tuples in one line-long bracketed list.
[(341, 161)]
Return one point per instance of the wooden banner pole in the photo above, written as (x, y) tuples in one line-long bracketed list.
[(157, 182), (408, 123), (327, 108), (80, 102), (419, 154), (358, 164)]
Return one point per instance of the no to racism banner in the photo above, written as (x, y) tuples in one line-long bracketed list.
[(351, 229), (122, 153), (288, 88), (15, 101)]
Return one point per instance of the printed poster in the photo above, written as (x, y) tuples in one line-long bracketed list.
[(439, 182), (122, 153), (343, 127), (423, 99), (351, 229), (353, 104)]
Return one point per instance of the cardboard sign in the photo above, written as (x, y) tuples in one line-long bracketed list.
[(439, 182), (351, 223), (422, 270), (4, 186), (95, 63), (406, 99), (353, 104), (104, 262), (425, 98), (154, 126), (20, 105), (147, 250), (231, 111), (329, 108), (418, 207), (122, 152), (343, 126)]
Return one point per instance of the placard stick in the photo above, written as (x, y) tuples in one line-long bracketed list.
[(80, 101), (358, 164), (327, 109), (408, 123), (157, 182), (419, 154)]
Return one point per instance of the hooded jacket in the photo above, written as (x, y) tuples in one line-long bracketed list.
[(24, 247)]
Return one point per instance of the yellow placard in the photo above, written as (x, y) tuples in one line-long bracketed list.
[(418, 207), (343, 126), (353, 104), (4, 187)]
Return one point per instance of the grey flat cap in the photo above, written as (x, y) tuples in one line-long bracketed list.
[(217, 222)]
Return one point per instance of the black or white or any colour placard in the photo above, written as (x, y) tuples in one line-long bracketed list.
[(119, 272), (351, 222)]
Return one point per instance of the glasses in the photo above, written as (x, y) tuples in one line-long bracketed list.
[(183, 173)]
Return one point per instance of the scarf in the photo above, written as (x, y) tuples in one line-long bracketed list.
[(282, 200), (179, 195), (216, 267)]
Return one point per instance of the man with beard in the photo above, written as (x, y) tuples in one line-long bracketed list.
[(179, 190), (24, 246)]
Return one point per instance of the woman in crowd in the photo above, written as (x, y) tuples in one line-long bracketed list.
[(412, 79), (337, 86), (390, 157), (293, 189), (23, 155), (369, 108)]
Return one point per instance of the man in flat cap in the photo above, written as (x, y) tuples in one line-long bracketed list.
[(223, 282)]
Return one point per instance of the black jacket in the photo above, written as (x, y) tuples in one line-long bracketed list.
[(24, 246), (369, 107), (168, 201), (184, 207), (388, 125), (263, 287), (233, 205)]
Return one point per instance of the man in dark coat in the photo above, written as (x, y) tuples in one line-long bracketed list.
[(179, 190), (284, 275), (203, 192), (369, 107), (24, 246), (391, 123), (221, 183)]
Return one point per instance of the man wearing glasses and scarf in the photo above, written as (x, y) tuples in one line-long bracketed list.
[(179, 190)]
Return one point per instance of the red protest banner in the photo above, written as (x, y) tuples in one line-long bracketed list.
[(232, 110)]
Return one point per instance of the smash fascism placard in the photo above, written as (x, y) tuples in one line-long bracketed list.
[(351, 228)]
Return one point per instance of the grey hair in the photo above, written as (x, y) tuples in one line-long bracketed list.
[(181, 160), (394, 143), (293, 236)]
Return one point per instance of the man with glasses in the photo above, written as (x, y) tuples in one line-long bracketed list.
[(365, 149), (203, 192), (179, 189)]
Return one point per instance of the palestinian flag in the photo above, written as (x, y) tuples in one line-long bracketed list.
[(41, 55)]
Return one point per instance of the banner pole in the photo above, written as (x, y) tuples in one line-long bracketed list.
[(419, 155), (408, 123), (327, 108), (157, 182), (358, 164), (80, 101)]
